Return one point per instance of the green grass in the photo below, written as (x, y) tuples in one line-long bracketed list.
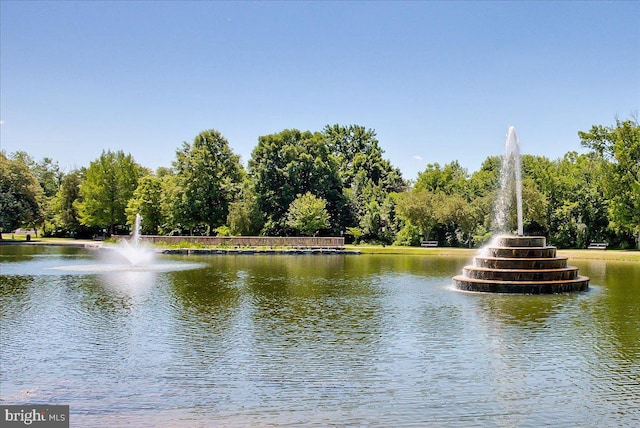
[(621, 255), (420, 251)]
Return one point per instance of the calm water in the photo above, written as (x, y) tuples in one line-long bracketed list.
[(313, 340)]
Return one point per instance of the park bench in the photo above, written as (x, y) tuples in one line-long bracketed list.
[(429, 243), (598, 246)]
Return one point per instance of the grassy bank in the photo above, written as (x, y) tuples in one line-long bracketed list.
[(419, 251), (622, 255)]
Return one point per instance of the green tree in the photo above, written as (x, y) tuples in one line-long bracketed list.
[(356, 233), (20, 196), (289, 163), (376, 213), (420, 208), (450, 179), (486, 180), (408, 235), (147, 201), (109, 183), (372, 221), (461, 217), (308, 214), (619, 146), (577, 206), (451, 190), (244, 216), (170, 205), (368, 179), (49, 176), (482, 190), (47, 172), (534, 209), (65, 213), (358, 152), (209, 176)]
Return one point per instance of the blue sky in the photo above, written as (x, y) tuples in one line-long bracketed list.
[(438, 81)]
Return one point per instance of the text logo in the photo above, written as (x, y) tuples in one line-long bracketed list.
[(37, 416)]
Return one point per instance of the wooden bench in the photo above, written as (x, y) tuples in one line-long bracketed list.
[(429, 243), (598, 246)]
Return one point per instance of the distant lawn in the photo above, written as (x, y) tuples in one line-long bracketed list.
[(622, 255), (420, 251)]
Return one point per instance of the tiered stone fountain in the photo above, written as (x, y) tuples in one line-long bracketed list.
[(518, 264)]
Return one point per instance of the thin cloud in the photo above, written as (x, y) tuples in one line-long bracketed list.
[(417, 157)]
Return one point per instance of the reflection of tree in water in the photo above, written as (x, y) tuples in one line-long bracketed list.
[(612, 326), (617, 314), (14, 293), (262, 326), (599, 328), (203, 292), (311, 292)]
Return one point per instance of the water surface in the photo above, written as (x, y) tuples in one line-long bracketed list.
[(256, 340)]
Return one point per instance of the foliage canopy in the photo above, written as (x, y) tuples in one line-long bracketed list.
[(335, 182)]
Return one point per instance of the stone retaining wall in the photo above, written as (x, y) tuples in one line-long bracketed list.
[(249, 241)]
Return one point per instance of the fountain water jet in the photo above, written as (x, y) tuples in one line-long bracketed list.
[(517, 264), (136, 254), (138, 260), (510, 176)]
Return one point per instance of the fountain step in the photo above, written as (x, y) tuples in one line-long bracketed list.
[(520, 263), (521, 241), (581, 283), (547, 252), (558, 274)]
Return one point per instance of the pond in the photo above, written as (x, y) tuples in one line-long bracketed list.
[(315, 340)]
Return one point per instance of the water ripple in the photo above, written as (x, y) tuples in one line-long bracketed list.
[(315, 342)]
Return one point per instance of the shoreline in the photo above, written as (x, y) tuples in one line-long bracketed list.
[(579, 254)]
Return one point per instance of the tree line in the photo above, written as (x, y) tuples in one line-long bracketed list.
[(332, 182)]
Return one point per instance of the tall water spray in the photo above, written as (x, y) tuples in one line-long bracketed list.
[(136, 254), (135, 236), (510, 182), (517, 264)]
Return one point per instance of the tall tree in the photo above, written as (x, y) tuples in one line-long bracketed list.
[(65, 205), (245, 217), (109, 184), (358, 152), (289, 163), (147, 201), (308, 214), (209, 176), (20, 196), (421, 208), (49, 176), (619, 145), (450, 179), (171, 205), (577, 208), (368, 180)]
